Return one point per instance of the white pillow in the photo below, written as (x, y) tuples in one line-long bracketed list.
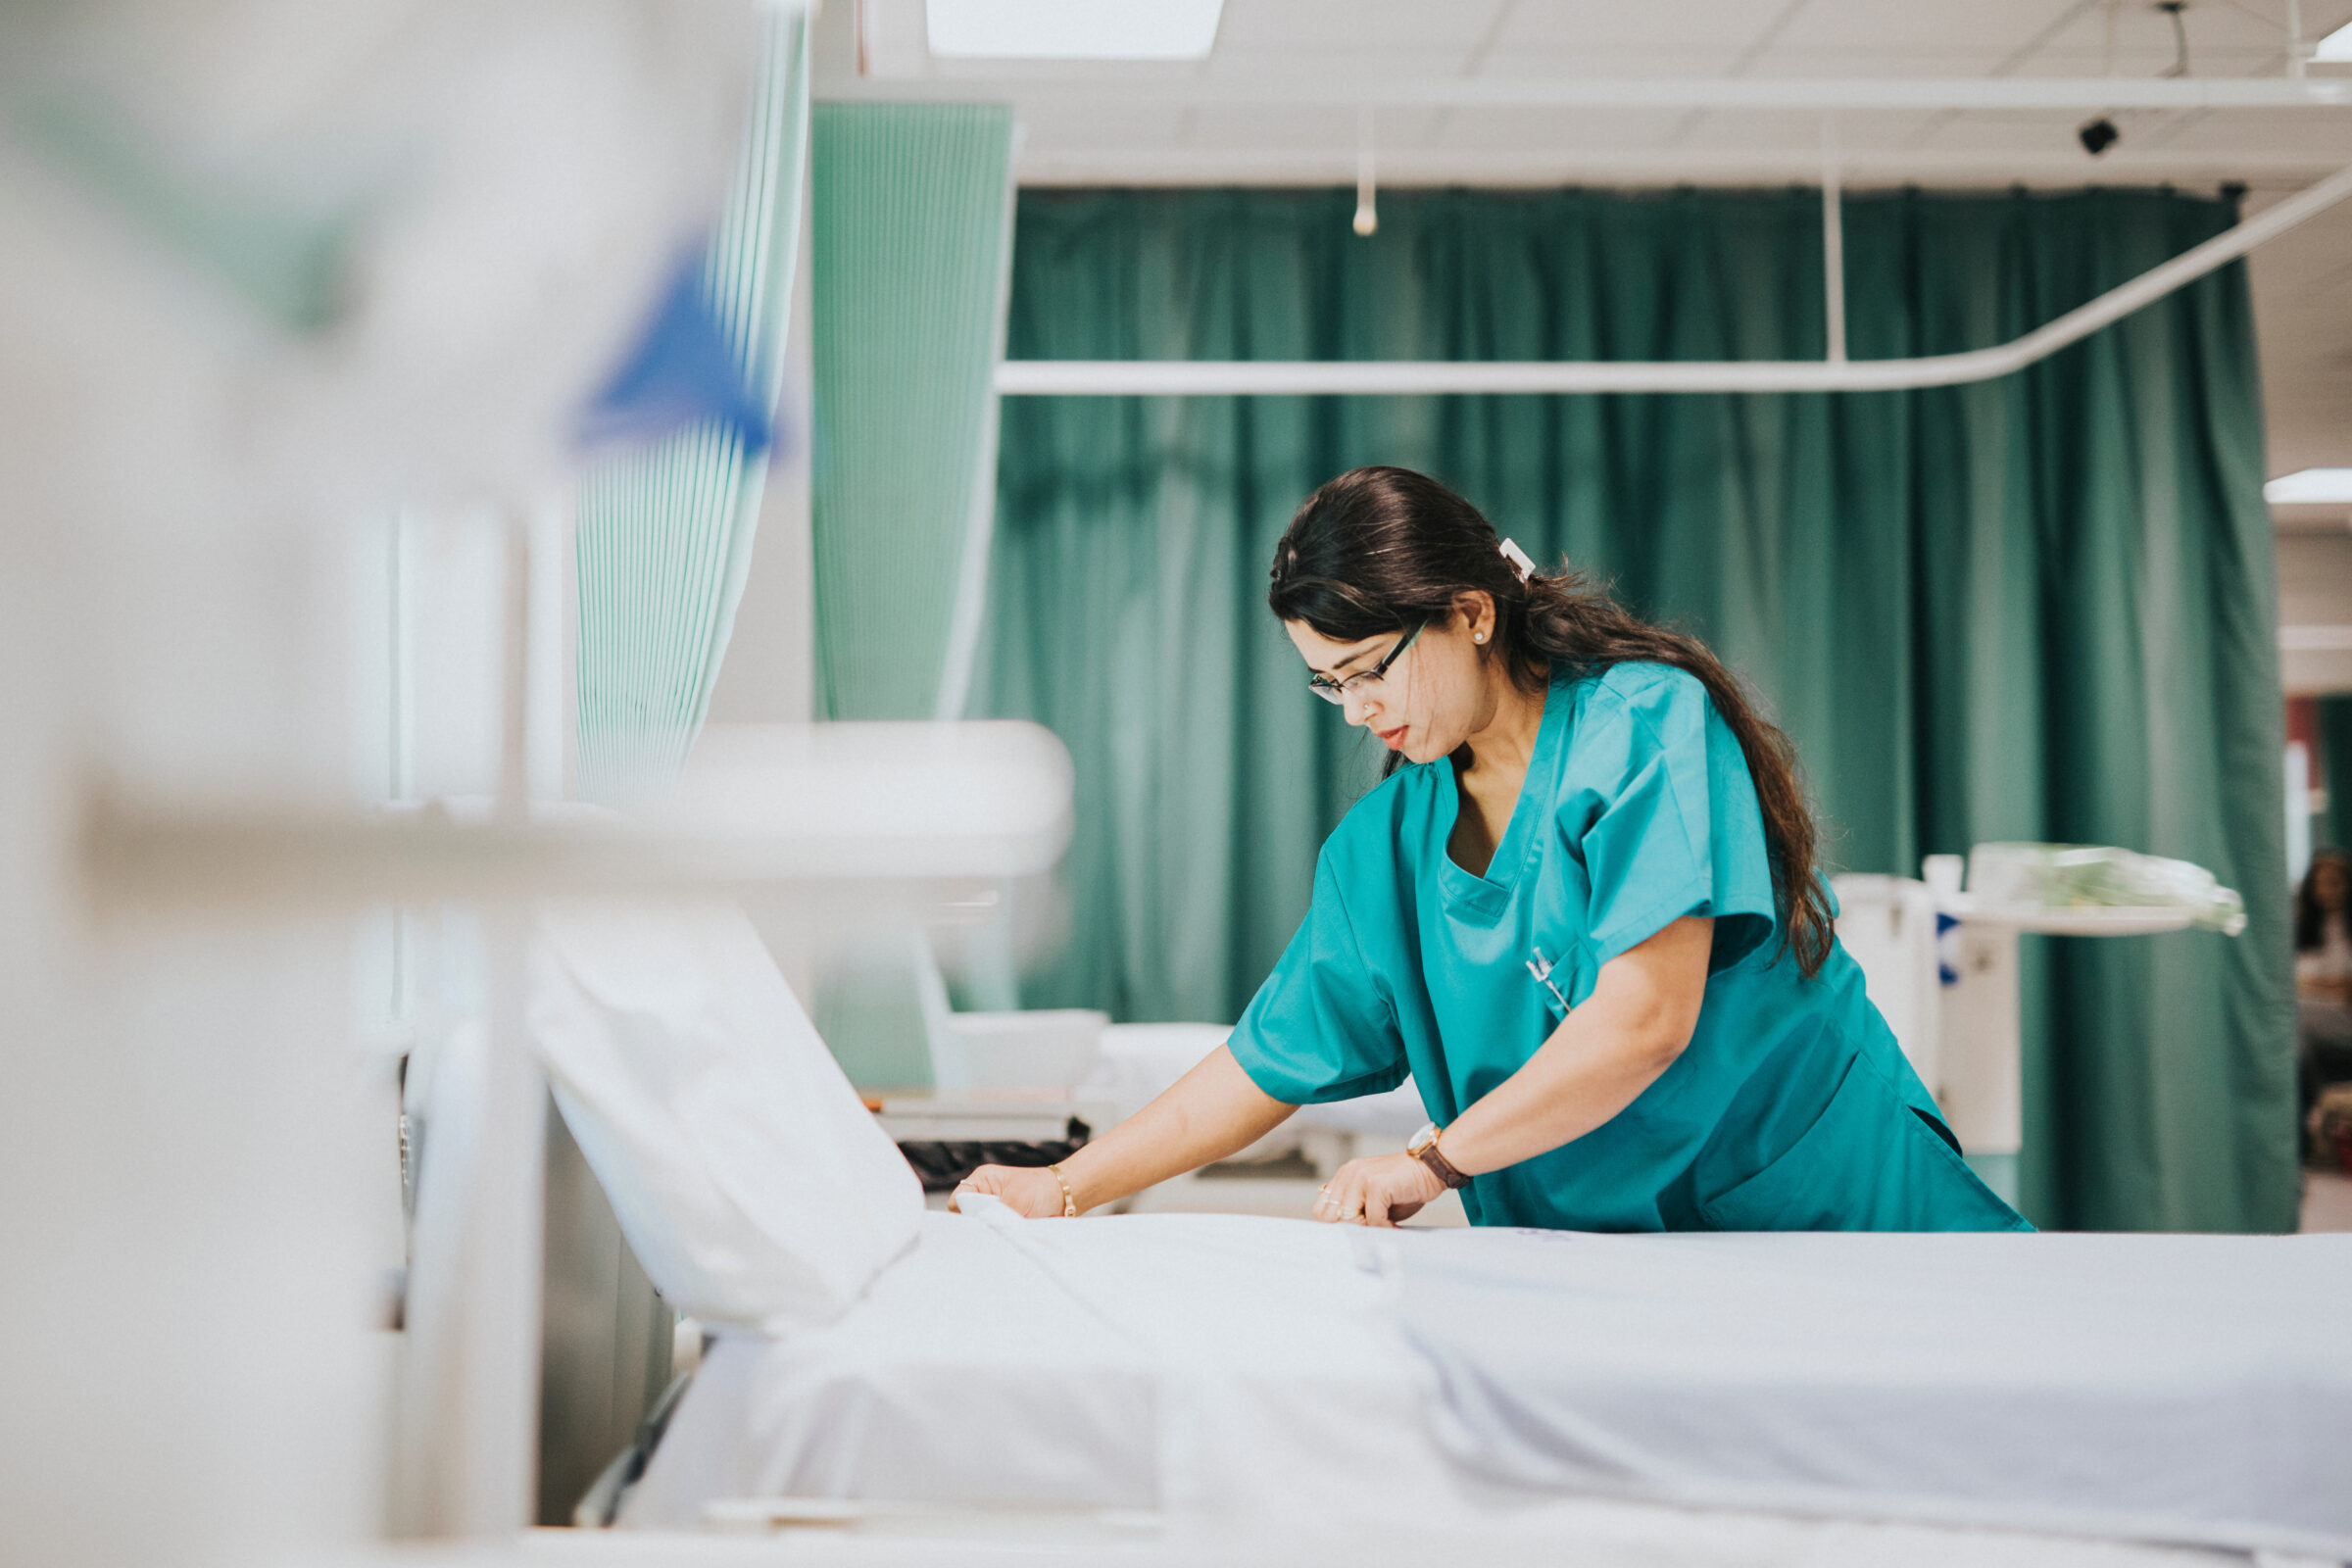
[(750, 1180)]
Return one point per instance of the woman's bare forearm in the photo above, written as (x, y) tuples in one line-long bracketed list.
[(1212, 1112)]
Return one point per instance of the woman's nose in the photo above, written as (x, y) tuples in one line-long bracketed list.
[(1359, 709)]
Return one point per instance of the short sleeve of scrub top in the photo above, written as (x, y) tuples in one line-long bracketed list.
[(1322, 1027), (1661, 810)]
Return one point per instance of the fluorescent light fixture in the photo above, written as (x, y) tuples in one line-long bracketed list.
[(2338, 45), (2311, 487), (1072, 29)]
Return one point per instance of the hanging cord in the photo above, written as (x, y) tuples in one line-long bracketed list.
[(2173, 9), (1367, 214), (1833, 242)]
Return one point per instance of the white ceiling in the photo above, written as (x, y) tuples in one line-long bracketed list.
[(1237, 117), (1226, 119)]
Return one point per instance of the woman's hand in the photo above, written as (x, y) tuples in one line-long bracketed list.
[(1377, 1191), (1027, 1190)]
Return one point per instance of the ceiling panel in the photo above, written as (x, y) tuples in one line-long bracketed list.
[(1661, 26), (1529, 130), (1252, 25), (1351, 59), (1056, 127), (1263, 125), (1958, 31), (1729, 131), (1563, 62), (2225, 135)]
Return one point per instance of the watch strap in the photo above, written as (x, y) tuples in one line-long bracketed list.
[(1439, 1166)]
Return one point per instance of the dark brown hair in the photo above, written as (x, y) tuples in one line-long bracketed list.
[(1381, 550)]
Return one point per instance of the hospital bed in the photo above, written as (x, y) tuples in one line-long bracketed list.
[(2116, 1399)]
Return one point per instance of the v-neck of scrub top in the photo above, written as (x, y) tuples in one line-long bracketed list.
[(1486, 898)]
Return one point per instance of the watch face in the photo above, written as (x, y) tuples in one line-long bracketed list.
[(1422, 1139)]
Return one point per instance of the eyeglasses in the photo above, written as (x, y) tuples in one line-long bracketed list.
[(1364, 682)]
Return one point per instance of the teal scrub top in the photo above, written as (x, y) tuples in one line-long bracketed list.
[(1792, 1109)]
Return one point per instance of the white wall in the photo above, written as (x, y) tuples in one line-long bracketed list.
[(2315, 602)]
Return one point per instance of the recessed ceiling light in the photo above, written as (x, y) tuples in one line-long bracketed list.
[(2338, 45), (1072, 29), (2312, 486)]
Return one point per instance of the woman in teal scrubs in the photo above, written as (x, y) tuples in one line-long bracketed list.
[(1582, 911)]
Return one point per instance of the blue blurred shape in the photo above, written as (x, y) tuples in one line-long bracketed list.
[(681, 370)]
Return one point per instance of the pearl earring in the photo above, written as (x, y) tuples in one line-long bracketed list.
[(1477, 637)]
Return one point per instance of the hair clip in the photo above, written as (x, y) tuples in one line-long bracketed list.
[(1517, 557)]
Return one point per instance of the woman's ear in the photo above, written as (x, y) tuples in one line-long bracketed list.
[(1475, 612)]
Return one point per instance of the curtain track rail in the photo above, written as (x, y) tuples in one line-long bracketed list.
[(1488, 377)]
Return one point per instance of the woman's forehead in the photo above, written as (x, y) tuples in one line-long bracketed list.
[(1324, 654)]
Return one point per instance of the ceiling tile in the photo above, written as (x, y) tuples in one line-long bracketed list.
[(1321, 24), (1665, 27), (1524, 130), (1965, 31)]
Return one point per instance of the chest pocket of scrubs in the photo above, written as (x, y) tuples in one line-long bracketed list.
[(1568, 973), (1867, 1163)]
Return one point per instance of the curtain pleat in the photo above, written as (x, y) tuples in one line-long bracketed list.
[(2332, 827), (665, 535), (2038, 607)]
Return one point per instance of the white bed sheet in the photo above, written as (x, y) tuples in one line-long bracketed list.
[(1190, 1363), (2181, 1387), (1230, 1371)]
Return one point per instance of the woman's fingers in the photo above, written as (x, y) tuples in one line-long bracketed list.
[(970, 1183), (1342, 1201), (1027, 1190), (989, 1179), (1382, 1191)]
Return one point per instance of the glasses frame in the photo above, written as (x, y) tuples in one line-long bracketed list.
[(1336, 692)]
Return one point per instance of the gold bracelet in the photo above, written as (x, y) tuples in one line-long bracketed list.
[(1070, 1200)]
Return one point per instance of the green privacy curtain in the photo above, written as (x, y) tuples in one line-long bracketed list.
[(911, 219), (2035, 609), (664, 535), (2334, 826)]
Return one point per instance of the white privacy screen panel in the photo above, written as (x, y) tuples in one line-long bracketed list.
[(749, 1179)]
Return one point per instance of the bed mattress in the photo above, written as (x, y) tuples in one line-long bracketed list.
[(1170, 1362), (2193, 1390)]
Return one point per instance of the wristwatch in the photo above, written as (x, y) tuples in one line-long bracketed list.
[(1423, 1147)]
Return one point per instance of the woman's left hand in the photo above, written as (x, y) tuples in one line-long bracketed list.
[(1377, 1191)]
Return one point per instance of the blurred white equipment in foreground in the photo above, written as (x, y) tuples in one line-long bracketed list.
[(264, 271)]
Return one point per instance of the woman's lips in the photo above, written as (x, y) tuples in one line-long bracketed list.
[(1390, 738)]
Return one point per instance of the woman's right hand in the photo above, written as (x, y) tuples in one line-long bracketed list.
[(1030, 1191)]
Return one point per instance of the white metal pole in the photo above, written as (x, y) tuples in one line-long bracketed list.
[(1833, 242), (1769, 94), (1429, 378), (466, 1457)]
